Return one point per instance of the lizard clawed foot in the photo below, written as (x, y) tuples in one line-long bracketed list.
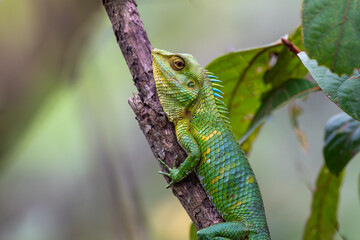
[(164, 164), (172, 171), (171, 183), (164, 173), (168, 175)]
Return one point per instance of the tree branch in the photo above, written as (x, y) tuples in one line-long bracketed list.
[(159, 132)]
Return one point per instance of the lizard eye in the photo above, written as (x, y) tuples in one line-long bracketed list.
[(191, 84), (177, 63)]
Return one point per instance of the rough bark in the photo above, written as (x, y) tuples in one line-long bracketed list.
[(159, 132)]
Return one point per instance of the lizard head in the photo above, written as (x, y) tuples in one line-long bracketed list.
[(178, 79)]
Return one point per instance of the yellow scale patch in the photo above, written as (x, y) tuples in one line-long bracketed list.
[(250, 179), (206, 152), (236, 205), (216, 179), (206, 138)]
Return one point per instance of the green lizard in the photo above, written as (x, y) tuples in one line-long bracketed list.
[(188, 96)]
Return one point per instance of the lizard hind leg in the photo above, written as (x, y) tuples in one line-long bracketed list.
[(224, 231)]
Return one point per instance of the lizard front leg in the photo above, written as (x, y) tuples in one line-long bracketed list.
[(188, 142)]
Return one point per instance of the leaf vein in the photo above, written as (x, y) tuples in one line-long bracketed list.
[(242, 77), (340, 36)]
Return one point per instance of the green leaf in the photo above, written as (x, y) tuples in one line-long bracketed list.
[(242, 77), (342, 141), (331, 30), (193, 232), (287, 65), (344, 91), (249, 75), (322, 224), (278, 97)]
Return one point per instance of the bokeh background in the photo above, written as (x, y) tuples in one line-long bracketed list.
[(73, 161)]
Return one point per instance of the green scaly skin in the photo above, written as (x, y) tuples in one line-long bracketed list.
[(187, 95)]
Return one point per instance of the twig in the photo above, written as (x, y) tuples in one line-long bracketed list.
[(159, 132), (294, 49)]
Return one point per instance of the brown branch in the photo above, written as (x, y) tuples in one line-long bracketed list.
[(159, 132), (293, 48)]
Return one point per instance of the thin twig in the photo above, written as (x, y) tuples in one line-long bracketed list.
[(293, 48)]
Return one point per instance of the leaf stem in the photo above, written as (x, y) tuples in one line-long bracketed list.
[(293, 48)]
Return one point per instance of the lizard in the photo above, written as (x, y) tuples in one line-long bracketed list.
[(188, 94)]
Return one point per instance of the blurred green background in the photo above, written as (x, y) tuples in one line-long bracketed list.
[(73, 161)]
